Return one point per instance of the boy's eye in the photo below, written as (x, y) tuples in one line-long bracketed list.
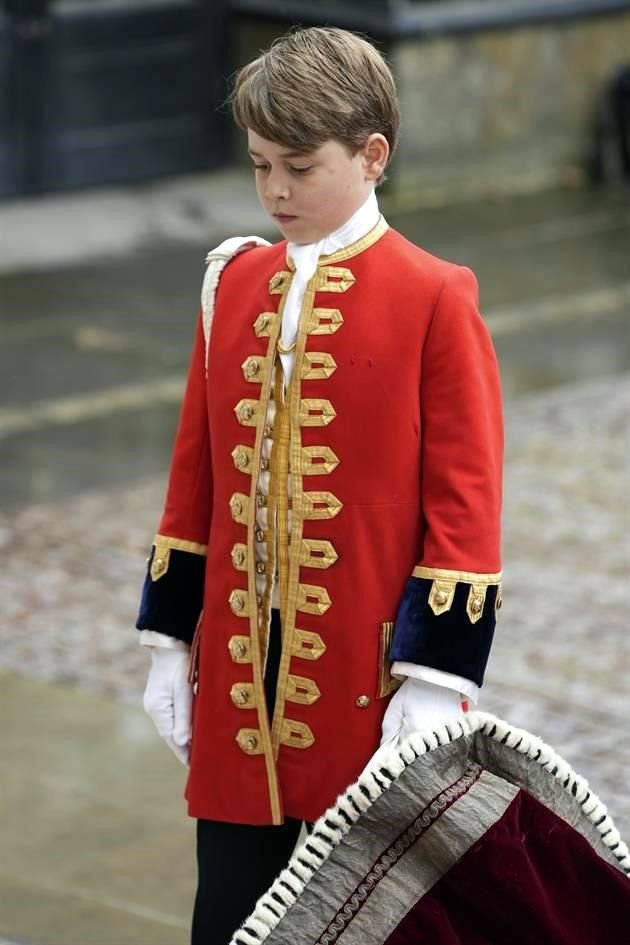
[(261, 167), (301, 170)]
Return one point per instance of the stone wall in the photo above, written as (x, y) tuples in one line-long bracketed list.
[(502, 110), (497, 110)]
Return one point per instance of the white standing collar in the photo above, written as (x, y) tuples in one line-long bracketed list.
[(360, 223), (305, 255)]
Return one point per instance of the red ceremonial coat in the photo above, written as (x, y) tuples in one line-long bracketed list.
[(391, 434)]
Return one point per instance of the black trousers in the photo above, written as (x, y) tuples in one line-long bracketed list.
[(238, 862)]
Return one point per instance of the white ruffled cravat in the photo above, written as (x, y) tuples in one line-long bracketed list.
[(305, 256)]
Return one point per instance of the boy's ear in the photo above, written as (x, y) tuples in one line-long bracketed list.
[(375, 154)]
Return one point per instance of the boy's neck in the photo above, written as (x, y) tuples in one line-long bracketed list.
[(356, 226)]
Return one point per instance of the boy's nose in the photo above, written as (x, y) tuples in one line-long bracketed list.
[(276, 188)]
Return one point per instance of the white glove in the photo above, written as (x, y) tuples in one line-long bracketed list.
[(168, 698), (418, 705)]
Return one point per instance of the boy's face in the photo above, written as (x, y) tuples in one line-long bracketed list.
[(310, 195)]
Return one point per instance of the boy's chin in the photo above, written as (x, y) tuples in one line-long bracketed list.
[(298, 231)]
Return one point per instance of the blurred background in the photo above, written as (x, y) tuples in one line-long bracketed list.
[(119, 169)]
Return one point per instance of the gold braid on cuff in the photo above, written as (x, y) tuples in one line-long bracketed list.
[(444, 583)]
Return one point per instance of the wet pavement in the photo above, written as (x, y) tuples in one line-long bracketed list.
[(92, 358), (102, 347)]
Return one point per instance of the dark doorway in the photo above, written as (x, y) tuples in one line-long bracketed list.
[(104, 91)]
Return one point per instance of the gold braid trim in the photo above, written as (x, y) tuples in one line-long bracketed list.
[(466, 577), (259, 632), (443, 587), (378, 230), (163, 545), (290, 439)]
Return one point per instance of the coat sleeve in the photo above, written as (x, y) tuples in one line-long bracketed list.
[(447, 614), (172, 595)]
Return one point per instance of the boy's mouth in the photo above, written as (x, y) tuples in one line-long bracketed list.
[(284, 217)]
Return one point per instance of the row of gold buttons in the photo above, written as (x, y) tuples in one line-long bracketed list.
[(247, 412)]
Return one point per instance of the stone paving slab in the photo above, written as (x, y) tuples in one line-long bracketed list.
[(73, 569), (96, 846)]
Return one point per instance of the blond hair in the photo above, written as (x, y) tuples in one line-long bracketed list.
[(315, 84)]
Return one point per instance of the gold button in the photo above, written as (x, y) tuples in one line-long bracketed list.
[(238, 557), (236, 506), (237, 649), (276, 281), (476, 605), (248, 740), (260, 535), (261, 500), (363, 702), (268, 430), (441, 598), (239, 696), (261, 567), (237, 602), (253, 367), (264, 463), (262, 323), (247, 412), (242, 459), (158, 565)]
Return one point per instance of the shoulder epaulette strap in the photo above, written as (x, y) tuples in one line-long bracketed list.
[(216, 261)]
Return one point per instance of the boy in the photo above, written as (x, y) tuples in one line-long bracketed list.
[(335, 490)]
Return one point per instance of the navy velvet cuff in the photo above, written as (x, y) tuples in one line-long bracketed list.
[(173, 603), (449, 642)]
